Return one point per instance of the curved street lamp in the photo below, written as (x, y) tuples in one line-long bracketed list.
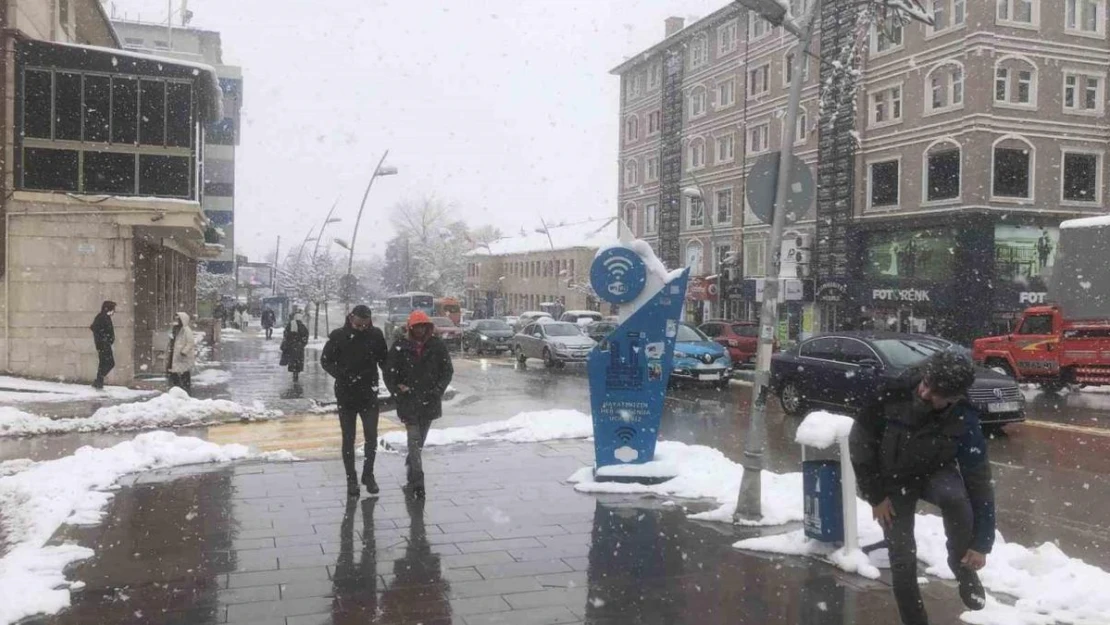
[(381, 170)]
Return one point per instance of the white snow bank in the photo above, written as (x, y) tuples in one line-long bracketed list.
[(211, 377), (702, 473), (822, 429), (1086, 222), (173, 408), (15, 390), (526, 427), (38, 500)]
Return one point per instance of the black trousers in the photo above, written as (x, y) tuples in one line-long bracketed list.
[(104, 367), (417, 432), (182, 380), (944, 489), (349, 413), (269, 332)]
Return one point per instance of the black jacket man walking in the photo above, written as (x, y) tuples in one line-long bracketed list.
[(104, 336)]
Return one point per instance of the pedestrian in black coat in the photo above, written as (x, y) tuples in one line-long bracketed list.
[(418, 373), (352, 356), (104, 336), (268, 321), (293, 342)]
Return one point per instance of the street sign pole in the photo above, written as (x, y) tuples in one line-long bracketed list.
[(748, 502)]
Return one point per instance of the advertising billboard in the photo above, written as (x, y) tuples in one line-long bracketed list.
[(917, 254)]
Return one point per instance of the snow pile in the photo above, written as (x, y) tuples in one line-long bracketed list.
[(172, 409), (822, 429), (19, 390), (701, 472), (211, 377), (39, 499), (526, 427)]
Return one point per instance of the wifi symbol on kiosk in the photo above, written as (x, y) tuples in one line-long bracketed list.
[(625, 434), (618, 275), (618, 267)]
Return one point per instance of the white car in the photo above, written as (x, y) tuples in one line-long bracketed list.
[(529, 317), (581, 317), (555, 342)]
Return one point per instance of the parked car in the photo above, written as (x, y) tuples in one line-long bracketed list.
[(698, 360), (531, 316), (598, 330), (581, 317), (448, 331), (487, 335), (556, 342), (845, 371), (740, 338)]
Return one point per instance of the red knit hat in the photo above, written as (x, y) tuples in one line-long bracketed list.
[(418, 317)]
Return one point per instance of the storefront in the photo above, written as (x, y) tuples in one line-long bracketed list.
[(701, 297), (1024, 259), (796, 308)]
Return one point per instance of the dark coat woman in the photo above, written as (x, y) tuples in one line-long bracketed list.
[(293, 342), (104, 336)]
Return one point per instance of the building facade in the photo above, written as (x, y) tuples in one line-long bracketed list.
[(944, 165), (545, 269), (100, 191), (222, 136)]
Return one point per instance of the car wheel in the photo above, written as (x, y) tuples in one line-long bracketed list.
[(723, 385), (1053, 386), (520, 356), (465, 347), (548, 360), (790, 396)]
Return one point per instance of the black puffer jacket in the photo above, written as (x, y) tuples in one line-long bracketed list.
[(104, 333), (425, 372), (352, 358)]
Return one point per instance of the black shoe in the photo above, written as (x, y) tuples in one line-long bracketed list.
[(352, 489), (370, 483), (413, 491), (971, 589)]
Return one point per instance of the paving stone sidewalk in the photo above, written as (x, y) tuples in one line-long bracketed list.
[(500, 539)]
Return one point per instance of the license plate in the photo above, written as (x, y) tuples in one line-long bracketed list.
[(705, 377), (1004, 406)]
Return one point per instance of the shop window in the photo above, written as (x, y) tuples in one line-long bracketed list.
[(109, 173), (50, 170), (125, 110), (98, 107), (152, 103), (164, 176), (37, 94), (67, 106), (884, 183), (943, 181)]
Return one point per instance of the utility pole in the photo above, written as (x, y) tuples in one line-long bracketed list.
[(273, 267)]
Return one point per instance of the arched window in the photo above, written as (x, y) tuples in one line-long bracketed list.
[(1012, 163), (630, 218), (944, 87), (1015, 82), (942, 171), (631, 173), (694, 255), (631, 128), (699, 102), (699, 51), (696, 154), (801, 127)]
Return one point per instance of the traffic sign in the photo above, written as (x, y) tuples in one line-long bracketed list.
[(761, 188)]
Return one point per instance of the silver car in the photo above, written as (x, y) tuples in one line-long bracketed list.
[(556, 342)]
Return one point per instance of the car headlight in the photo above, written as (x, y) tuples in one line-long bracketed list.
[(483, 337), (678, 354), (559, 346)]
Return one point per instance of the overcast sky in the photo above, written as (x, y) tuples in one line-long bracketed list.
[(505, 108)]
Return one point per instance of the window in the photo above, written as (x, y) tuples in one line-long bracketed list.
[(1082, 93), (98, 107), (1018, 11), (727, 37), (720, 255), (725, 149), (37, 97), (755, 258), (1081, 177), (631, 129), (946, 87), (759, 138), (801, 127), (630, 173), (948, 14), (637, 84), (1084, 16), (630, 218), (655, 119), (699, 51), (654, 76), (697, 102), (855, 351), (1015, 83), (697, 154), (757, 26), (886, 106), (1037, 324), (788, 68), (67, 106), (724, 206), (758, 80), (63, 13), (726, 93), (887, 34), (652, 169), (884, 184), (695, 212), (1012, 172), (821, 348), (651, 218), (694, 256), (942, 175)]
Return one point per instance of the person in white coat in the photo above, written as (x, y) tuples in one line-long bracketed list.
[(182, 354)]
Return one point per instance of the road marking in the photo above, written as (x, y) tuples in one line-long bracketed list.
[(1092, 431)]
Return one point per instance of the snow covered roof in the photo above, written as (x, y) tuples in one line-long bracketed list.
[(589, 234), (1086, 222)]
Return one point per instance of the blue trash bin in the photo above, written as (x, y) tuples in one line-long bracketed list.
[(824, 516)]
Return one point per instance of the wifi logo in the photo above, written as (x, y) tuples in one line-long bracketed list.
[(618, 275), (625, 434)]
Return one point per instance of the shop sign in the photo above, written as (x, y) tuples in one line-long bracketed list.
[(901, 295), (702, 289), (1032, 297), (734, 290), (832, 292)]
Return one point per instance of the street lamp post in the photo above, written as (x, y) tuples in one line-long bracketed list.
[(698, 192), (381, 170)]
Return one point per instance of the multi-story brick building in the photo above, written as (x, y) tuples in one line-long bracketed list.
[(537, 270), (939, 193), (99, 189)]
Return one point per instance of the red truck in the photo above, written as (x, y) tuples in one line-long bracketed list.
[(1050, 349)]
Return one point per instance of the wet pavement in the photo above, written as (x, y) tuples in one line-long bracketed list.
[(500, 539)]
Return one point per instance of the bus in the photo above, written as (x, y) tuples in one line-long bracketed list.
[(400, 307), (448, 307)]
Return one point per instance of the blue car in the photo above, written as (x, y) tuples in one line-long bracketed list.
[(698, 360)]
